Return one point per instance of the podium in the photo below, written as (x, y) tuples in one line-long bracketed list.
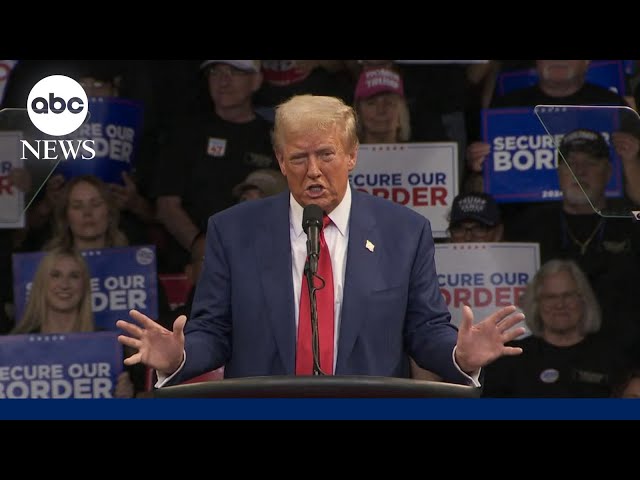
[(330, 386)]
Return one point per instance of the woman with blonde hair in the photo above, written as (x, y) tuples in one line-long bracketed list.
[(60, 296), (383, 113), (60, 302), (86, 216)]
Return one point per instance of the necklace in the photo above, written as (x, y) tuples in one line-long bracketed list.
[(584, 244)]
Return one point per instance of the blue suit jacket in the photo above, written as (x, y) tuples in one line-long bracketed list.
[(243, 310)]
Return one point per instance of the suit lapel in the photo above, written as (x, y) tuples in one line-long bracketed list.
[(360, 272), (273, 246)]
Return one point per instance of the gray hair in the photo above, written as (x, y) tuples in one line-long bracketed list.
[(591, 319)]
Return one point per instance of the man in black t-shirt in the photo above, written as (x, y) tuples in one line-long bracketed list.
[(206, 156)]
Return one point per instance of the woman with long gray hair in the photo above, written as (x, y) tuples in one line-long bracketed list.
[(565, 356)]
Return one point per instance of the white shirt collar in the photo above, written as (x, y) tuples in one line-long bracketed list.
[(339, 216)]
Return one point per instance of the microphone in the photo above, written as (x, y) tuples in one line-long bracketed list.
[(312, 224)]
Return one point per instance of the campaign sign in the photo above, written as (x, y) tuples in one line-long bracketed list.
[(11, 198), (122, 278), (522, 163), (485, 276), (422, 176), (115, 125), (69, 365), (609, 74), (5, 71)]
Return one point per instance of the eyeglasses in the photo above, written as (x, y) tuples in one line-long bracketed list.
[(552, 299), (476, 231)]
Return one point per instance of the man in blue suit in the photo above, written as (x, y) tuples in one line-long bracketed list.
[(387, 302)]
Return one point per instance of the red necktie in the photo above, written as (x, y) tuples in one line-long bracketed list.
[(325, 305)]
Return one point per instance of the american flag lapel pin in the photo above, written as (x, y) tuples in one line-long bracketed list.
[(369, 246)]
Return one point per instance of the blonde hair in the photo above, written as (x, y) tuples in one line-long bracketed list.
[(62, 234), (403, 133), (302, 114), (591, 318), (35, 314)]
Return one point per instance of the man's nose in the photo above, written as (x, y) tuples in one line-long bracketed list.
[(313, 167)]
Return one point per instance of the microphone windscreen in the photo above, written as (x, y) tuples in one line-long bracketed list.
[(311, 215)]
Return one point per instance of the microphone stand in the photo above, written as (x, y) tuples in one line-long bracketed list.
[(315, 337)]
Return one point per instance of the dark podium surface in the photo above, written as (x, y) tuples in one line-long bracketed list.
[(339, 386)]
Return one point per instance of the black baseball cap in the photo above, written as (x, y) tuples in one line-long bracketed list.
[(585, 141), (477, 206)]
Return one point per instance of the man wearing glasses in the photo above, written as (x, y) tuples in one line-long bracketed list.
[(206, 156)]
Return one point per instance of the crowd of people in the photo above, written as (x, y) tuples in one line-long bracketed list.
[(206, 145)]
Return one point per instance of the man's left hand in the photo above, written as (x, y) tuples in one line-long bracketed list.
[(482, 343)]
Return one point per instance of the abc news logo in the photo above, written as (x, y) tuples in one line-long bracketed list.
[(57, 105)]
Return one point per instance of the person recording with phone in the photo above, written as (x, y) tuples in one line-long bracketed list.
[(377, 299)]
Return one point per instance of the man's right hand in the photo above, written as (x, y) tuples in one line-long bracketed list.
[(157, 347), (476, 154)]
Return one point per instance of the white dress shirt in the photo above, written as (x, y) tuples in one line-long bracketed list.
[(336, 234)]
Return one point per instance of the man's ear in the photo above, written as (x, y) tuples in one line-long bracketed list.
[(280, 159), (353, 159)]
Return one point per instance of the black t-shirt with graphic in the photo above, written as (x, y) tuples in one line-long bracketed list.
[(205, 158)]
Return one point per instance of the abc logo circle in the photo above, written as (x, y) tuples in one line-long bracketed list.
[(57, 105)]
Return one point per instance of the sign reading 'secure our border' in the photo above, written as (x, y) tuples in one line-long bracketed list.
[(114, 128), (485, 276), (421, 176), (122, 278), (522, 163), (72, 365)]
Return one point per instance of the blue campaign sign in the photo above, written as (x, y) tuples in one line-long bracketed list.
[(121, 279), (606, 73), (70, 365), (115, 125), (521, 166)]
